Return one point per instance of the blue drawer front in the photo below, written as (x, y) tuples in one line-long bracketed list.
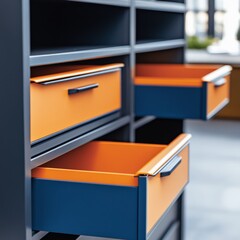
[(170, 102), (87, 209)]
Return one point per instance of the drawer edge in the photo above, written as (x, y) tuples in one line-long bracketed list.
[(218, 108)]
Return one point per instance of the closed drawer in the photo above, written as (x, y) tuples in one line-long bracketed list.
[(107, 189), (64, 100), (181, 91)]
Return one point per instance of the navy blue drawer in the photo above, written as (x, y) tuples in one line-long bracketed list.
[(106, 189), (181, 91)]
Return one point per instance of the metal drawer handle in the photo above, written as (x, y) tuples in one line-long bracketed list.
[(220, 82), (83, 88), (170, 166)]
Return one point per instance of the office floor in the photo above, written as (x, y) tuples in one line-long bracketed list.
[(213, 195)]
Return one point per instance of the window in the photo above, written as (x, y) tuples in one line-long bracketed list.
[(197, 17)]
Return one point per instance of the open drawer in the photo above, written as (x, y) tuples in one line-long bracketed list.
[(181, 91), (66, 97), (109, 189)]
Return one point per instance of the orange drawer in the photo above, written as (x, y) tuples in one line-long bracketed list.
[(181, 91), (64, 100), (110, 183)]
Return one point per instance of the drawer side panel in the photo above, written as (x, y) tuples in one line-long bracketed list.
[(162, 191), (216, 96)]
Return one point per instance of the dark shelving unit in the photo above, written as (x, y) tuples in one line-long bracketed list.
[(42, 33)]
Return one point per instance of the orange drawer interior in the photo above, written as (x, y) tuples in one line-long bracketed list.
[(53, 109), (101, 162), (173, 74)]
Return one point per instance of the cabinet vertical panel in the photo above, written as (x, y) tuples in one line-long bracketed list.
[(85, 209), (162, 191)]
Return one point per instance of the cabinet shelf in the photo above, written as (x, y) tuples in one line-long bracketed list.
[(60, 55), (161, 6), (121, 3), (142, 121), (147, 46), (76, 142), (39, 235), (77, 31)]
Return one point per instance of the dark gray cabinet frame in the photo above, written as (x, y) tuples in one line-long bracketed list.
[(15, 177), (15, 62)]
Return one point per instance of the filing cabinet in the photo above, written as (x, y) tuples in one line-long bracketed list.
[(96, 180)]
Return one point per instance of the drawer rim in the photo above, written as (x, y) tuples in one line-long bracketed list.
[(159, 160)]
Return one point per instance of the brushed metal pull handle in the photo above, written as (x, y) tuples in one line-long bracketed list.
[(169, 168), (220, 82), (83, 88)]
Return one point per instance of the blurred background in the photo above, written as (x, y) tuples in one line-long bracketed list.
[(213, 22), (213, 195)]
